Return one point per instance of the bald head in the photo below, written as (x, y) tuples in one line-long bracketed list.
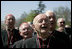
[(25, 30), (67, 26), (41, 25), (24, 25), (39, 17), (50, 13)]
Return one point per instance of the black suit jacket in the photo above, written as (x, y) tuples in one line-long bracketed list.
[(64, 37), (68, 31), (4, 36), (1, 44)]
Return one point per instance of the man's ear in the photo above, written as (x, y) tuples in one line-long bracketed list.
[(33, 26)]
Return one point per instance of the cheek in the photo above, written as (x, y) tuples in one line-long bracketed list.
[(60, 24), (6, 22), (21, 33), (30, 31), (37, 26)]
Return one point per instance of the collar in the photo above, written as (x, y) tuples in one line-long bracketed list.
[(39, 38), (9, 29)]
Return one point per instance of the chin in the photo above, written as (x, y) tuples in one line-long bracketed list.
[(43, 32)]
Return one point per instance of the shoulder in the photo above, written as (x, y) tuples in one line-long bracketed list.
[(18, 44), (29, 43), (30, 40), (3, 32), (68, 29), (15, 30)]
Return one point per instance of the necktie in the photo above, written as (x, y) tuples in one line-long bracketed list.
[(10, 38)]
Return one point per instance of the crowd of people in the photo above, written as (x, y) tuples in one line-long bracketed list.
[(41, 33)]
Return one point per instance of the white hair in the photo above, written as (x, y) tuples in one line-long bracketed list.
[(60, 19), (49, 11)]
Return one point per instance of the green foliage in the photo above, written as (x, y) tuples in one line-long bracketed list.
[(63, 12), (41, 7), (21, 19), (31, 16)]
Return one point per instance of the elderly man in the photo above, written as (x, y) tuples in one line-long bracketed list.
[(26, 32), (9, 34), (52, 18), (62, 28), (61, 25), (59, 36)]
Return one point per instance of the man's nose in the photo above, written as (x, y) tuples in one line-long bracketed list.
[(25, 30), (43, 22), (51, 19), (11, 20)]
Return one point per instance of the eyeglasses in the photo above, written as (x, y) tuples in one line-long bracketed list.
[(62, 22)]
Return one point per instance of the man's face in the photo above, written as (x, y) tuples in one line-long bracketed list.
[(26, 31), (52, 20), (10, 21), (42, 24), (61, 23)]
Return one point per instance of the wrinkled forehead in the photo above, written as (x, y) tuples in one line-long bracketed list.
[(41, 16), (61, 20), (50, 14), (25, 25), (10, 17)]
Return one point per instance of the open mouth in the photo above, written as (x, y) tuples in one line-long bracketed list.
[(25, 33), (44, 27), (51, 23)]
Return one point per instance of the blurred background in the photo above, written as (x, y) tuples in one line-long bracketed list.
[(25, 11)]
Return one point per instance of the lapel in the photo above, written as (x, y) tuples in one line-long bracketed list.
[(36, 42), (4, 37), (32, 42)]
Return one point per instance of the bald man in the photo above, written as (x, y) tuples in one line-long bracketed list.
[(9, 34), (25, 31)]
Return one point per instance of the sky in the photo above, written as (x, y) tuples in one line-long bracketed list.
[(19, 7)]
